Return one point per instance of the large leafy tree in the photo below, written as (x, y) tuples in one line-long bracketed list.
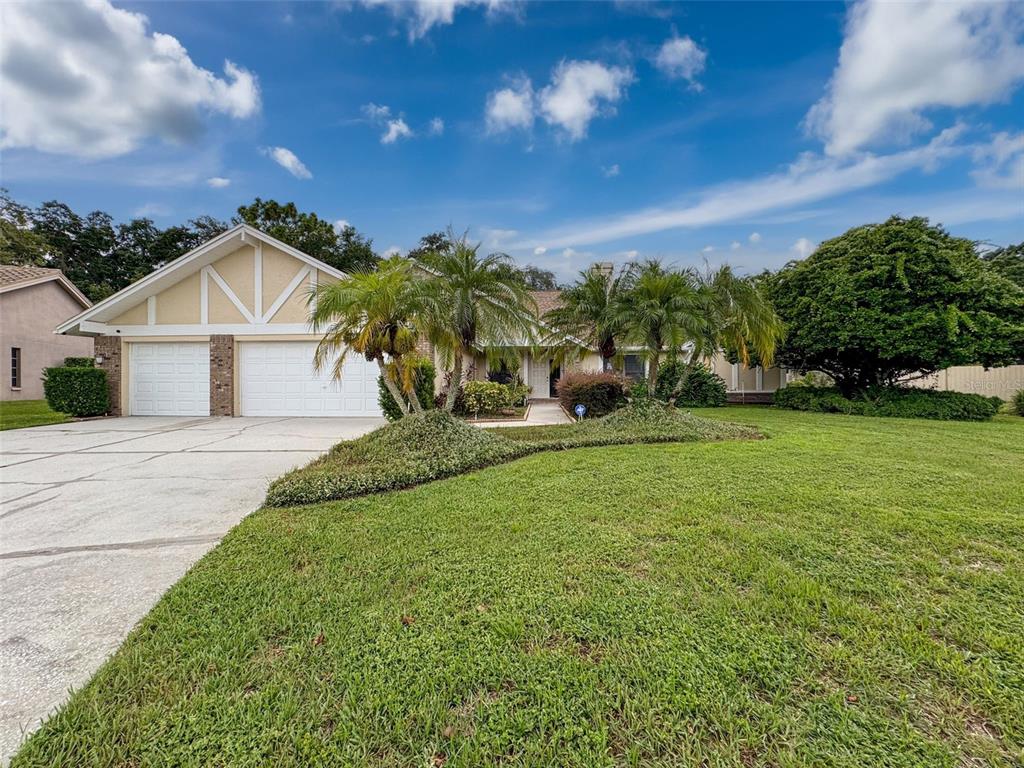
[(372, 313), (590, 312), (19, 243), (884, 301), (346, 250), (471, 301), (1008, 262)]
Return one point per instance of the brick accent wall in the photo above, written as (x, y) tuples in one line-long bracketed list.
[(222, 375), (109, 348)]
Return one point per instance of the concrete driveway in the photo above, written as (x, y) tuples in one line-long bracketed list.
[(99, 518)]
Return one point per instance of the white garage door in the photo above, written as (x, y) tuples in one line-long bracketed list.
[(169, 379), (277, 379)]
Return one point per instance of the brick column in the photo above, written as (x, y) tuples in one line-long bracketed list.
[(222, 375), (109, 348)]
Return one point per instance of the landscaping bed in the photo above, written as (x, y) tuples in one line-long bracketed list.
[(435, 445), (848, 593)]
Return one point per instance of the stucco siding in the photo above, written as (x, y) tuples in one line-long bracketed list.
[(179, 304), (27, 319), (137, 315), (995, 382), (238, 271)]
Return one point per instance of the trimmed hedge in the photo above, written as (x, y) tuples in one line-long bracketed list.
[(424, 385), (901, 402), (78, 391), (704, 388), (79, 362), (601, 393)]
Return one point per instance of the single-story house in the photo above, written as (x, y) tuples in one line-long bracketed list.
[(223, 331), (32, 301)]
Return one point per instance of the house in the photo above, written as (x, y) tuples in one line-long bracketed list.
[(223, 331), (33, 300)]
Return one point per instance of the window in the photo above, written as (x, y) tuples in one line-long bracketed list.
[(15, 367), (633, 366)]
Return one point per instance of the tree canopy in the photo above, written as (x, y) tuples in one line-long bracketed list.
[(1008, 262), (884, 301)]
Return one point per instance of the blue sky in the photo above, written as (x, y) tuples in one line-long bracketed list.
[(562, 133)]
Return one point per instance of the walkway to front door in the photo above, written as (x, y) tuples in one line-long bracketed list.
[(541, 412)]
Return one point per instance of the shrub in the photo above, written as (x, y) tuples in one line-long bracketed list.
[(424, 384), (901, 402), (78, 391), (601, 393), (486, 397), (79, 362), (1017, 402), (703, 389)]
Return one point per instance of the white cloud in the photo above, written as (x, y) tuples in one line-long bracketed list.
[(496, 238), (540, 250), (340, 225), (289, 161), (218, 182), (510, 108), (611, 171), (436, 127), (396, 129), (755, 237), (802, 248), (423, 15), (707, 249), (1001, 162), (579, 91), (809, 179), (376, 112), (900, 59), (681, 59), (735, 245), (91, 80), (152, 209), (631, 255), (394, 250)]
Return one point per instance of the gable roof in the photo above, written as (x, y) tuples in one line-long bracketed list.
[(191, 262), (14, 278), (546, 301)]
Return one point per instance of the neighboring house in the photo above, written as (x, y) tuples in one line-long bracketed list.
[(994, 382), (33, 301), (223, 331)]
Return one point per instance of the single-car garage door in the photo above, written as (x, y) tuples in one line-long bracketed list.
[(277, 379), (169, 379)]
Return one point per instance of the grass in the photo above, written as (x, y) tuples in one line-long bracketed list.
[(848, 592), (435, 445), (15, 414)]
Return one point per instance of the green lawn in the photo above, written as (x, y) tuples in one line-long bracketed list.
[(15, 414), (848, 592)]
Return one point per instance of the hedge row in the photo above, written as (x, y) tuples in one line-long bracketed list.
[(79, 391), (904, 402), (600, 393)]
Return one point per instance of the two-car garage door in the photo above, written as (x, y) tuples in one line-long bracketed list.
[(273, 378)]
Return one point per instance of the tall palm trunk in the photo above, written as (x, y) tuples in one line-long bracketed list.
[(455, 383), (392, 386), (652, 372), (680, 385), (415, 400)]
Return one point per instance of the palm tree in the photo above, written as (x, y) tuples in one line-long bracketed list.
[(732, 313), (372, 314), (659, 311), (470, 300), (589, 313)]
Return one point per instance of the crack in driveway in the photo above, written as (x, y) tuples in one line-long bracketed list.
[(142, 544)]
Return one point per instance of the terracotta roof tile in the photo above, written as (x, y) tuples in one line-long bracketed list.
[(546, 300), (10, 274)]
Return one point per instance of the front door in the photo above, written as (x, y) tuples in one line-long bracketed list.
[(556, 372)]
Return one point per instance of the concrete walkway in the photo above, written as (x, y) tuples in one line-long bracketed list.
[(541, 412), (99, 518)]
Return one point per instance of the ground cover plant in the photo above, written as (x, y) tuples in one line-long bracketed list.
[(435, 445), (906, 402), (849, 592), (15, 414)]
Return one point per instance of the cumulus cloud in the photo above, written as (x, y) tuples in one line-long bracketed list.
[(540, 250), (802, 248), (394, 250), (91, 80), (680, 58), (289, 161), (755, 237), (610, 171), (423, 15), (579, 91), (340, 224), (510, 108), (218, 182), (396, 129), (900, 59), (376, 112), (1001, 162), (435, 127)]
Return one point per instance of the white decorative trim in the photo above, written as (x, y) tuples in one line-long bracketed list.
[(151, 310), (230, 294), (257, 272), (204, 296), (199, 329), (288, 291)]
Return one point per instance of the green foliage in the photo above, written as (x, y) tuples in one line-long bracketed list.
[(1018, 402), (77, 391), (703, 388), (435, 445), (901, 402), (423, 373), (79, 362), (487, 397), (1008, 262), (346, 250), (590, 312), (601, 393), (887, 300)]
